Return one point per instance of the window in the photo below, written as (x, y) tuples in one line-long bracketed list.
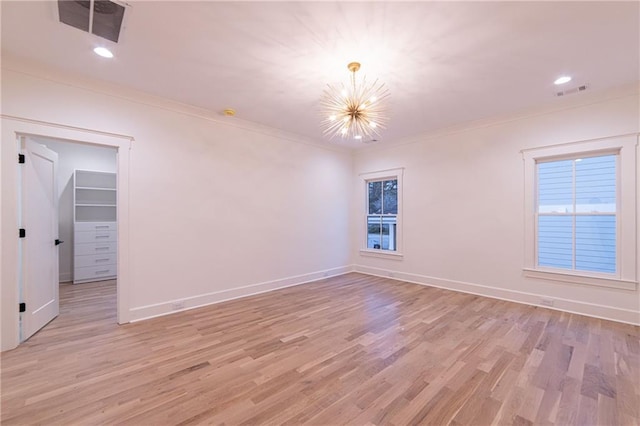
[(580, 212), (382, 212), (382, 215), (576, 215)]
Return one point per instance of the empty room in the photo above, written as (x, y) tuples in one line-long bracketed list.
[(359, 213)]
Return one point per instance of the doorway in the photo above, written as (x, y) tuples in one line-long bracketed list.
[(12, 128), (86, 228)]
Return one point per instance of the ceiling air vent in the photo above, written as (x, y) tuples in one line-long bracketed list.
[(100, 17), (573, 90)]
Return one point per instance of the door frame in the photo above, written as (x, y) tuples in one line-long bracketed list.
[(12, 129)]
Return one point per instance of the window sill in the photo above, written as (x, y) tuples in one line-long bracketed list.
[(617, 283), (382, 254)]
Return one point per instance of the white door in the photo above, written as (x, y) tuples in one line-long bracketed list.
[(39, 254)]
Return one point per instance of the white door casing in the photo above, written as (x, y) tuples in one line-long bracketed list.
[(39, 252)]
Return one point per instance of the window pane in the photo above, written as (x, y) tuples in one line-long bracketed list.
[(385, 236), (389, 232), (555, 187), (374, 232), (375, 197), (596, 243), (555, 241), (390, 188), (596, 184)]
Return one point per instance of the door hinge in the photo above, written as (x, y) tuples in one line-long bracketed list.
[(20, 158), (23, 307), (22, 232)]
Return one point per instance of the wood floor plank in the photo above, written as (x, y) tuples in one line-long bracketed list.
[(353, 349)]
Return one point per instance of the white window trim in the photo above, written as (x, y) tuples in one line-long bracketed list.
[(626, 275), (362, 234)]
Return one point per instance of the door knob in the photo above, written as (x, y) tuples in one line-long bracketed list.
[(58, 242)]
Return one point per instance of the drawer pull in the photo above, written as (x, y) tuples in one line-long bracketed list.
[(102, 226), (102, 236), (103, 260), (102, 272), (102, 248)]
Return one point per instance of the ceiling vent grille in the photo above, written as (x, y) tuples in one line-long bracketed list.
[(100, 17), (573, 90)]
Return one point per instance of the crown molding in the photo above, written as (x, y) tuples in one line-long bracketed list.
[(43, 72)]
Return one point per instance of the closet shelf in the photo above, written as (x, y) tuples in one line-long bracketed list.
[(95, 188)]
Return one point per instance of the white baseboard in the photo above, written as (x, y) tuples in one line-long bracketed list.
[(170, 307), (65, 277), (593, 310), (589, 309)]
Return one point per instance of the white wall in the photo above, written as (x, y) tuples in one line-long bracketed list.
[(464, 198), (73, 156), (217, 209)]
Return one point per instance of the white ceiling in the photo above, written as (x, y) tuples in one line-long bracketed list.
[(444, 63)]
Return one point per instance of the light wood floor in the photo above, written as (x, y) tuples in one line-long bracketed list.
[(348, 350)]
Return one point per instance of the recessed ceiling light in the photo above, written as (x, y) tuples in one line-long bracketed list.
[(103, 51), (562, 80)]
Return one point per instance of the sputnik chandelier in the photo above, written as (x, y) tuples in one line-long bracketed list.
[(356, 111)]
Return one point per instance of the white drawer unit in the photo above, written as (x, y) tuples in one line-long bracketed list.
[(95, 227), (95, 252)]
